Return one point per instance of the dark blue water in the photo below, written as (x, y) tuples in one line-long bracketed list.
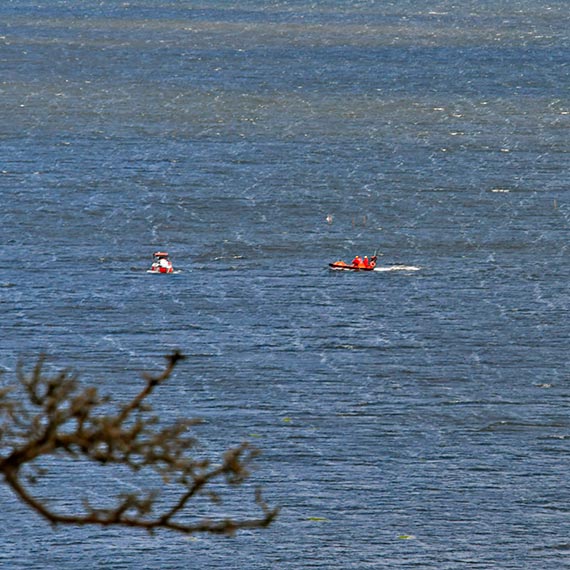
[(408, 419)]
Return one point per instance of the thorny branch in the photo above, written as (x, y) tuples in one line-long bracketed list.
[(59, 418)]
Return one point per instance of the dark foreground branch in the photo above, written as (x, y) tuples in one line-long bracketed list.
[(59, 419)]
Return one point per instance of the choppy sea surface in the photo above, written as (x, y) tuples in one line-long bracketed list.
[(408, 419)]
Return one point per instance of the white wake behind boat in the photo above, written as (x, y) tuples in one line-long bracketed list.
[(398, 268)]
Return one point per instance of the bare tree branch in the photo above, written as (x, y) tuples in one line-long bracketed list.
[(60, 419)]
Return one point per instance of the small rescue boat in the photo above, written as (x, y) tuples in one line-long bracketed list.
[(161, 263), (358, 264), (342, 266)]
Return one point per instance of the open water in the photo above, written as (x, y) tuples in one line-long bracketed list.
[(407, 419)]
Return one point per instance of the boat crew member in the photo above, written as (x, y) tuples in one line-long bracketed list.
[(366, 262), (357, 261)]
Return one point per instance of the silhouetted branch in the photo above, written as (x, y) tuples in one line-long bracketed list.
[(58, 418)]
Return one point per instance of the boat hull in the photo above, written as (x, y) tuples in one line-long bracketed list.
[(344, 267)]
